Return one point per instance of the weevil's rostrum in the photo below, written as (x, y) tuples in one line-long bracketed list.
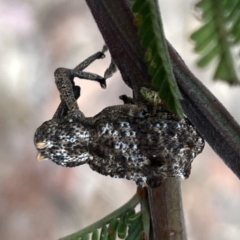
[(124, 141)]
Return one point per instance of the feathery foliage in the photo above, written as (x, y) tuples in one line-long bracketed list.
[(148, 19), (123, 223), (217, 36)]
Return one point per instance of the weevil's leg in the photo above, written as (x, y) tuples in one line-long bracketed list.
[(77, 71), (132, 110), (126, 99), (64, 82), (90, 76), (88, 61), (62, 109), (129, 100), (110, 70)]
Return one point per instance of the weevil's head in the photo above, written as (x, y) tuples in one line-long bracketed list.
[(62, 142)]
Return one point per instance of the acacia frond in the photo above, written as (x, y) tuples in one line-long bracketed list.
[(149, 22), (216, 37), (123, 223)]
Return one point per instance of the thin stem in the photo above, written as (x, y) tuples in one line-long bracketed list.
[(145, 215), (167, 211)]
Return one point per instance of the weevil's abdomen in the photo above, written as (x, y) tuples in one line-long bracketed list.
[(151, 141)]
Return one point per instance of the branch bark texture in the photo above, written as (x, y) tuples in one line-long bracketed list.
[(166, 211)]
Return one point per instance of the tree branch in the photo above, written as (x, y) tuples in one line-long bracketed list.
[(166, 211), (212, 120), (208, 115), (214, 123), (115, 23)]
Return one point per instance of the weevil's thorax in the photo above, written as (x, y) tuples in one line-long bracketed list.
[(64, 141)]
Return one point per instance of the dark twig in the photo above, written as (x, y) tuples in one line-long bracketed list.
[(166, 213), (115, 23), (208, 115), (212, 120)]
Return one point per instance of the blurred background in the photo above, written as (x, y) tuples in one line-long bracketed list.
[(45, 201)]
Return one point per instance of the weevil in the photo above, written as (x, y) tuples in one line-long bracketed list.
[(125, 141)]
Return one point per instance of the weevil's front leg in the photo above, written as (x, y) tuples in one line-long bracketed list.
[(62, 109), (64, 82), (88, 61), (90, 76), (77, 71), (110, 70)]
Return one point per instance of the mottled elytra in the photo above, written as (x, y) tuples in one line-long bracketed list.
[(126, 141)]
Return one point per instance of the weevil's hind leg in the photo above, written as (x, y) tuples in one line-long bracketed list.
[(126, 99), (129, 100)]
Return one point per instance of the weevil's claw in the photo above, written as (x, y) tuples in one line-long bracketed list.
[(102, 55), (103, 83), (105, 48)]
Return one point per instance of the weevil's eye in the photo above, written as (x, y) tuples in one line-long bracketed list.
[(143, 114)]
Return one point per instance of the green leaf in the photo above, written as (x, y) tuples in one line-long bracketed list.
[(153, 40), (122, 227), (109, 232), (211, 55), (112, 229), (134, 232), (224, 72), (86, 237), (104, 233), (95, 235), (131, 218), (218, 34)]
